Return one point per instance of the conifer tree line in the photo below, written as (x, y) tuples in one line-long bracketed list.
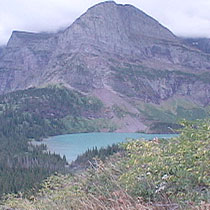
[(34, 114)]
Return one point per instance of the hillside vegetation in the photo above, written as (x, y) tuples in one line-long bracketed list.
[(165, 117), (34, 114), (158, 174), (53, 110)]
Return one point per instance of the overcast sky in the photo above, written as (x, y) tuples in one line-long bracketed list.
[(183, 17)]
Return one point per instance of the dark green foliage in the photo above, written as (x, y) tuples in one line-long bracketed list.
[(156, 127), (34, 114), (22, 165), (51, 102), (39, 112), (88, 157), (14, 179)]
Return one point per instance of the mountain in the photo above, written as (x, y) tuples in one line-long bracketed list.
[(145, 76), (202, 44)]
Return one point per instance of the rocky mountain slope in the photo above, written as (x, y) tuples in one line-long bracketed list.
[(202, 44), (140, 70)]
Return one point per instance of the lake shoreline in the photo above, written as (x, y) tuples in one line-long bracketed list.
[(72, 145)]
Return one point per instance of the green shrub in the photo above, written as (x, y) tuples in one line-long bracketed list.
[(176, 169)]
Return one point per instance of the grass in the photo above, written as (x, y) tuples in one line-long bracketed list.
[(132, 71), (83, 125), (173, 110), (170, 112)]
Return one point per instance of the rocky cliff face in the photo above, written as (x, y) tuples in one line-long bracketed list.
[(202, 44), (112, 49)]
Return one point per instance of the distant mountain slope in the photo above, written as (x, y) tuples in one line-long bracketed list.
[(116, 53), (52, 110), (202, 44)]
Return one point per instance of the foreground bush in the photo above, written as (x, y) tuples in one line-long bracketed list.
[(158, 174), (171, 170)]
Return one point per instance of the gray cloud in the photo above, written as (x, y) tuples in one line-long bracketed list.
[(184, 18)]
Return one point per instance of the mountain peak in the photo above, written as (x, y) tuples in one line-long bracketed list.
[(21, 38), (113, 49), (116, 28), (129, 18), (111, 3)]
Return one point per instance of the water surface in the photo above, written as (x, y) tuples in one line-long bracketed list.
[(72, 145)]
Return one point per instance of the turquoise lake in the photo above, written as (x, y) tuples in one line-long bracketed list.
[(72, 145)]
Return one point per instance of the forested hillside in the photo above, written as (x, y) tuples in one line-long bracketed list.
[(34, 114)]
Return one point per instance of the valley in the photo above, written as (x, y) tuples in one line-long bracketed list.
[(114, 70)]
